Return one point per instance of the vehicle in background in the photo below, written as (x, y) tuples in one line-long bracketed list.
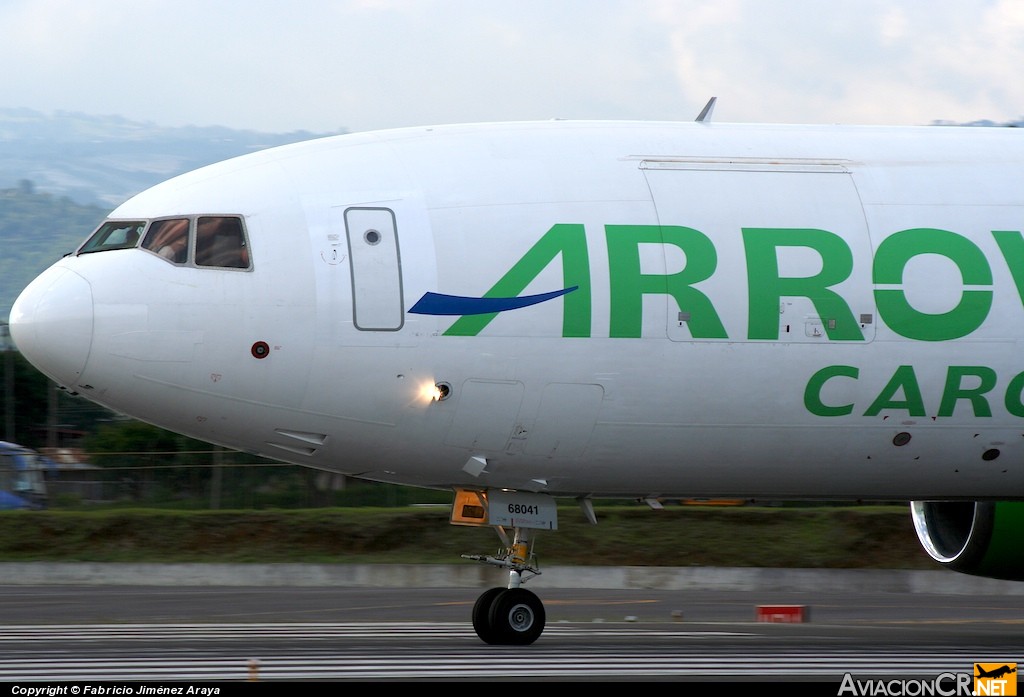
[(22, 477)]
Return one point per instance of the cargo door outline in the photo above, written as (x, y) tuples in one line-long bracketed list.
[(376, 269), (788, 194)]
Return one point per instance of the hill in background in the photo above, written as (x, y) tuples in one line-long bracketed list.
[(104, 160)]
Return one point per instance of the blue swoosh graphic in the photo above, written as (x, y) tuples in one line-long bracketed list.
[(441, 304)]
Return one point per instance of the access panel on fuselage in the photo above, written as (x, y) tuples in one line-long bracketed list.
[(759, 251), (375, 263)]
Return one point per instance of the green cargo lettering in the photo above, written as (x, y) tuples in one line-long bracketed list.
[(567, 240), (812, 393), (628, 285), (1011, 244), (891, 259), (904, 380), (1014, 399), (954, 389), (766, 288)]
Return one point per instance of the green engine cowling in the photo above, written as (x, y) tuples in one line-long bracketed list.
[(982, 538)]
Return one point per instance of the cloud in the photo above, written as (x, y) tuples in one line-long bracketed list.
[(861, 62), (361, 64)]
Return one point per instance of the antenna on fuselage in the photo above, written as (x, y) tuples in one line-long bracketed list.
[(705, 114)]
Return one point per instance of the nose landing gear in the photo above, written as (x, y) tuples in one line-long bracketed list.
[(512, 615)]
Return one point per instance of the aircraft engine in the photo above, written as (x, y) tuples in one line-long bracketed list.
[(981, 538)]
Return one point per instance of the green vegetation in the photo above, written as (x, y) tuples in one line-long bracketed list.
[(750, 536)]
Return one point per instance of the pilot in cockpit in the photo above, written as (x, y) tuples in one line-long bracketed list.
[(169, 239)]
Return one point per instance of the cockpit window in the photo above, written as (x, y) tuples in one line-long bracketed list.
[(208, 241), (114, 234), (220, 241), (169, 239)]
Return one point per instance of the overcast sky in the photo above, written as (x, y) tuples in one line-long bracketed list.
[(323, 66)]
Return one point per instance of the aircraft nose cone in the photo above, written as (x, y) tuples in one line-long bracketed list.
[(51, 324)]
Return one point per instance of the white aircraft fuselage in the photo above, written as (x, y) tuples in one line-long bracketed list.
[(709, 310), (519, 312)]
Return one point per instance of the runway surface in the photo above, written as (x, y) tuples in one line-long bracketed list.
[(200, 634)]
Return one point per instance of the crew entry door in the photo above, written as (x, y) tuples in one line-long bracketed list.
[(376, 269)]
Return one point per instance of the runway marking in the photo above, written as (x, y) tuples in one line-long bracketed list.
[(78, 652), (311, 630)]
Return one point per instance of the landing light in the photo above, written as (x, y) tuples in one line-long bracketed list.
[(437, 392)]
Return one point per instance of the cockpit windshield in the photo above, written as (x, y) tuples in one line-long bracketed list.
[(220, 241), (209, 241), (169, 239), (114, 234)]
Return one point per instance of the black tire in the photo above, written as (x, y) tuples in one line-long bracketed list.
[(517, 617), (482, 615)]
